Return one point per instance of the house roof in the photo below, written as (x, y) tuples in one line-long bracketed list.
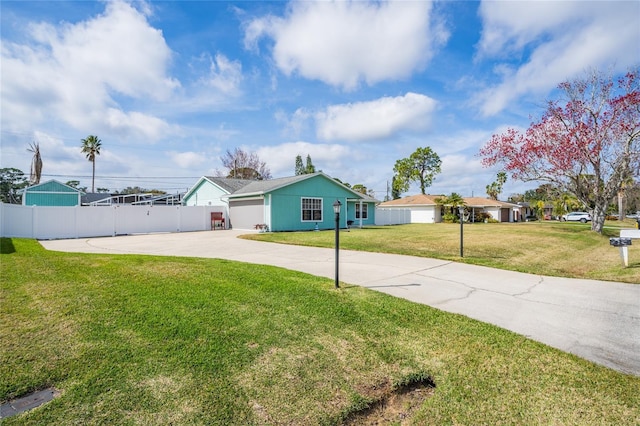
[(481, 202), (487, 202), (431, 200), (367, 197), (48, 184), (261, 187), (229, 184), (413, 200)]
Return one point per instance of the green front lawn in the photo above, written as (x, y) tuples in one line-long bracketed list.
[(130, 339), (544, 248)]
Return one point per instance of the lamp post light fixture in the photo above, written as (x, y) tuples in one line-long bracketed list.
[(461, 210), (336, 210)]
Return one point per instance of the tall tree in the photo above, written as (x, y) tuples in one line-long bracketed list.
[(11, 181), (245, 165), (302, 169), (309, 168), (395, 192), (91, 148), (587, 143), (495, 188), (421, 166), (299, 166), (36, 164)]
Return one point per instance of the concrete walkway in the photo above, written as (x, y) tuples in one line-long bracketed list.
[(596, 320)]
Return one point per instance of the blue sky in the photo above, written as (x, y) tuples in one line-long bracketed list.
[(170, 86)]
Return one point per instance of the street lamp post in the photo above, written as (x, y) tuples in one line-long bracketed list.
[(336, 210), (461, 210)]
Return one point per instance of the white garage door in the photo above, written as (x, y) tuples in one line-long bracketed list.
[(246, 214)]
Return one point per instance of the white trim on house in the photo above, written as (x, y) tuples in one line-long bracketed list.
[(312, 210)]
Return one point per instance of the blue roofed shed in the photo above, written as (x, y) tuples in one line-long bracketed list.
[(51, 193)]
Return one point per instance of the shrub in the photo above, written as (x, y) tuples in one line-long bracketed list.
[(449, 218)]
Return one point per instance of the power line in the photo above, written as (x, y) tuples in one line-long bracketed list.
[(123, 177)]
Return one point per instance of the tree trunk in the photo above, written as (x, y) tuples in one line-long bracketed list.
[(620, 205), (93, 177), (597, 218)]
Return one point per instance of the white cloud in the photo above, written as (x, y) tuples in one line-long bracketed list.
[(189, 159), (224, 75), (346, 42), (377, 119), (295, 124), (326, 157), (565, 39), (75, 72), (140, 126)]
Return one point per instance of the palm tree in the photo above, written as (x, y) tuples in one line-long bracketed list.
[(36, 163), (91, 147), (453, 201)]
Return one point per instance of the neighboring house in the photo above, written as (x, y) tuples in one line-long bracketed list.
[(296, 203), (51, 193), (209, 190), (499, 210), (529, 210), (424, 208)]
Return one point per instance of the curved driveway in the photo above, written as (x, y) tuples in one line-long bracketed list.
[(596, 320)]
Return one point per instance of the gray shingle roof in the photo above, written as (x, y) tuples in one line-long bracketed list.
[(264, 186), (228, 184)]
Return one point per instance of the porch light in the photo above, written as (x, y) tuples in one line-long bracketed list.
[(336, 207)]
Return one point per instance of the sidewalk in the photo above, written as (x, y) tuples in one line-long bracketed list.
[(596, 320)]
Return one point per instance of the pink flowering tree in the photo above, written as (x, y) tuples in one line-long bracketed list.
[(587, 142)]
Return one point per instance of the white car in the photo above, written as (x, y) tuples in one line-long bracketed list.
[(576, 217)]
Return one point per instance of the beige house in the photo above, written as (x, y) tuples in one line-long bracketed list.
[(499, 210), (425, 209)]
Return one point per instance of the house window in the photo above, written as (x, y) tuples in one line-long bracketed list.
[(312, 209), (361, 214)]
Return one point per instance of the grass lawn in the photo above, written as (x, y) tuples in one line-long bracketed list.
[(545, 248), (128, 339)]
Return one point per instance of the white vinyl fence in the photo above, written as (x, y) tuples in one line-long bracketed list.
[(101, 221), (392, 216)]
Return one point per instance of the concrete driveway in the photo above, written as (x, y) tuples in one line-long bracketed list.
[(596, 320)]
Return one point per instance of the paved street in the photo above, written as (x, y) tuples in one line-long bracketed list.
[(596, 320)]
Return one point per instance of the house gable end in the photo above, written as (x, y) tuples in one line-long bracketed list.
[(51, 186)]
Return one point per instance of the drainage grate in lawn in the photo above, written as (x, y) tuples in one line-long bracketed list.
[(27, 402)]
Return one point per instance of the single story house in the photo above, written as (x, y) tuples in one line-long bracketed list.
[(51, 193), (499, 210), (295, 203), (425, 209), (529, 210), (209, 190)]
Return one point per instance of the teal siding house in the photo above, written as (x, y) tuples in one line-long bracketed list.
[(297, 203), (51, 193)]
